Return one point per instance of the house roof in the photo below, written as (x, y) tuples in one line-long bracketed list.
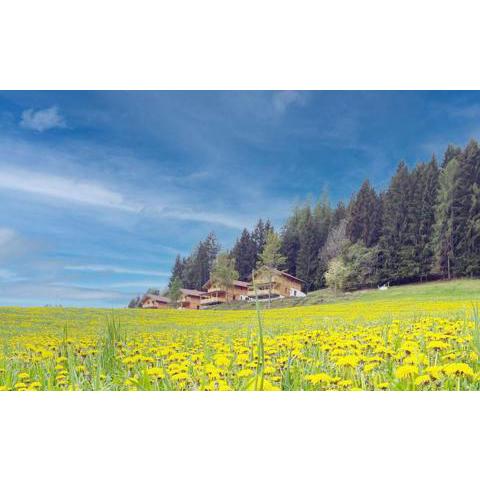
[(237, 283), (193, 293), (280, 272), (157, 298)]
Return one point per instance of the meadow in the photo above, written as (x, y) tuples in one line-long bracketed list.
[(424, 337)]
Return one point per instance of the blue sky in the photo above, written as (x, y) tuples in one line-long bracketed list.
[(100, 190)]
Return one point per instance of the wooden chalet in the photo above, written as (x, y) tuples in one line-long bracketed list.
[(216, 294), (154, 301), (273, 282), (190, 299)]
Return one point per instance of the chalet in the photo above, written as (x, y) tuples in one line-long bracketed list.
[(154, 301), (273, 282), (191, 298), (217, 294)]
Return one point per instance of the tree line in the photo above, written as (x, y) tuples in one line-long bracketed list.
[(424, 225)]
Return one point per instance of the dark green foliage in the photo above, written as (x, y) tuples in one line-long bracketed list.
[(245, 254), (396, 241), (443, 238), (364, 222), (194, 270), (259, 236), (466, 211), (178, 270)]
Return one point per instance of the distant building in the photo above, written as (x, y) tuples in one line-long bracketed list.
[(154, 301), (217, 294), (191, 299), (273, 282)]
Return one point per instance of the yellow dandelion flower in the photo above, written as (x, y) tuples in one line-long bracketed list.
[(406, 371), (458, 370)]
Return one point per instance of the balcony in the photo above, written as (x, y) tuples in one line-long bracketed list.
[(213, 299)]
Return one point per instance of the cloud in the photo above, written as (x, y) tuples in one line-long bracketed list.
[(283, 100), (37, 293), (41, 120), (12, 244), (63, 188), (6, 274), (115, 269)]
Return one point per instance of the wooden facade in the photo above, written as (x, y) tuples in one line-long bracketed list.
[(191, 299), (216, 294), (275, 283), (154, 301)]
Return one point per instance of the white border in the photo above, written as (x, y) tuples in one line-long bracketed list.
[(215, 44), (218, 435)]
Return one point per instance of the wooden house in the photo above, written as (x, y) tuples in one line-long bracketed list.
[(191, 298), (217, 294), (154, 301), (270, 281)]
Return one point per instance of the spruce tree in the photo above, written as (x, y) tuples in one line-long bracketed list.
[(443, 238), (244, 253), (364, 216), (396, 242), (291, 239), (178, 270), (466, 212), (307, 259)]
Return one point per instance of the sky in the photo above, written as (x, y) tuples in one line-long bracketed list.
[(99, 191)]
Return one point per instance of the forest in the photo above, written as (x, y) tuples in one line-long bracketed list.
[(424, 225)]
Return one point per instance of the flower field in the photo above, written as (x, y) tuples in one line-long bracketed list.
[(377, 345)]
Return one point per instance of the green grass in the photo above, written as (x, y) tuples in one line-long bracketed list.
[(464, 289)]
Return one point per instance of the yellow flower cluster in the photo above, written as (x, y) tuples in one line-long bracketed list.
[(356, 346)]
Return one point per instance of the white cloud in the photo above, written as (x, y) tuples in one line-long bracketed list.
[(12, 244), (41, 120), (37, 293), (115, 269), (7, 237), (6, 274), (63, 188), (283, 100)]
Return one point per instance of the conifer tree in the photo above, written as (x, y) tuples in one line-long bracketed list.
[(244, 253), (396, 243), (307, 259), (364, 216), (443, 241), (466, 212), (178, 270)]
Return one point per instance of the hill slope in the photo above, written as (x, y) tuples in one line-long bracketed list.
[(465, 289)]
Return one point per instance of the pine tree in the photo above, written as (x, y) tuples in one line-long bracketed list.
[(365, 216), (259, 236), (291, 238), (396, 242), (177, 270), (307, 260), (466, 211), (322, 218), (451, 152), (443, 238), (339, 214), (244, 253), (424, 198)]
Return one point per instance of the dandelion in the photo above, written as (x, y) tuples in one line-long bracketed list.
[(458, 370), (406, 371)]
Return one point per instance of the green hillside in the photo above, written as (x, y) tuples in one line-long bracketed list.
[(465, 289)]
